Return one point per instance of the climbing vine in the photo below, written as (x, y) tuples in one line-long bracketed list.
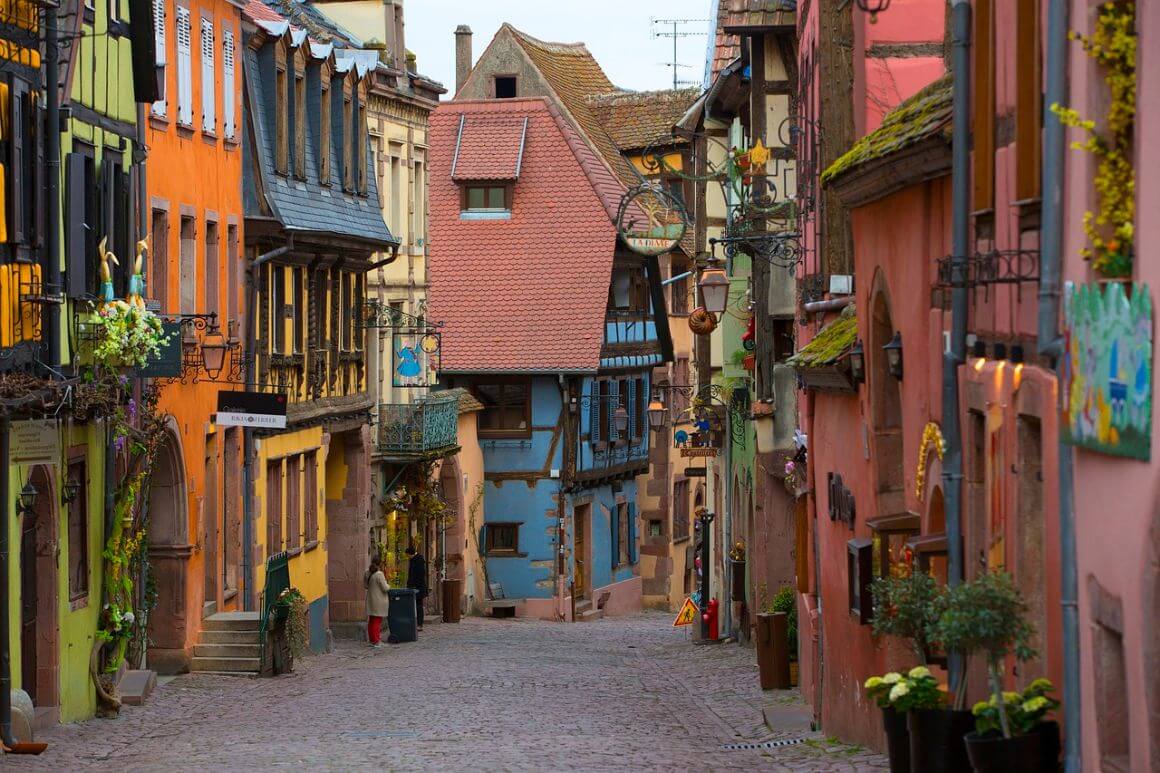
[(1111, 229)]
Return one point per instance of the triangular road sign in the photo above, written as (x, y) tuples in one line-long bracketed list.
[(687, 614)]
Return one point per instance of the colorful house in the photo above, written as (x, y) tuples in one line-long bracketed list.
[(313, 225)]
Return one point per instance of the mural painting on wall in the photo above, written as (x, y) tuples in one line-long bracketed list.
[(416, 358), (1107, 378)]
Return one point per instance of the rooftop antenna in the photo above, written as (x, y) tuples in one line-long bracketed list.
[(675, 29)]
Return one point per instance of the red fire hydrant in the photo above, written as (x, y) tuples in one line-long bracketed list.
[(710, 618)]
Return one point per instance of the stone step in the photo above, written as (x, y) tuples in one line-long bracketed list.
[(591, 615), (227, 651), (225, 665), (232, 621), (230, 637)]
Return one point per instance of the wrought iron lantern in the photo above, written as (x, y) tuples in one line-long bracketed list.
[(979, 349), (656, 413), (69, 491), (1000, 351), (714, 286), (26, 500), (213, 351), (894, 356), (1017, 354), (620, 419), (857, 357)]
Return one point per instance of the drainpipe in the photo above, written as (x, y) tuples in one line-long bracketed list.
[(1050, 344), (52, 182), (249, 600), (955, 354), (5, 649)]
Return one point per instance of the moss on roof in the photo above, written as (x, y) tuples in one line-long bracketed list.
[(926, 114), (831, 342)]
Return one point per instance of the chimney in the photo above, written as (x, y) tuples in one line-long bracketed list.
[(462, 55)]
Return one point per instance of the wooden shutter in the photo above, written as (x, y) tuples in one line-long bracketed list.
[(610, 405), (229, 123), (160, 43), (632, 418), (614, 525), (76, 234), (184, 67), (595, 406), (632, 532), (17, 128), (208, 78)]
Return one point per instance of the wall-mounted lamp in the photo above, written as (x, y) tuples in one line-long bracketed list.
[(620, 419), (714, 286), (857, 357), (69, 491), (1000, 351), (26, 500), (656, 413), (1017, 353), (979, 348), (894, 356)]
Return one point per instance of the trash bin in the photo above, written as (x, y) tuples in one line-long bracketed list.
[(401, 616), (452, 591), (773, 650)]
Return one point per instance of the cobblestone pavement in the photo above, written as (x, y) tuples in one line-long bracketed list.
[(483, 694)]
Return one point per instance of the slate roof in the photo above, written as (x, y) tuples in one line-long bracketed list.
[(636, 120), (489, 147), (527, 294), (925, 115), (301, 205), (734, 14)]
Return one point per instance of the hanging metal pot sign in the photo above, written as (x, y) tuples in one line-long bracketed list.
[(650, 220)]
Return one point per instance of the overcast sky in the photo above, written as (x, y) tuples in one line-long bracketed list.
[(617, 32)]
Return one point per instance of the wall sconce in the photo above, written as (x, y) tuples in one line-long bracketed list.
[(26, 500), (979, 349), (857, 358), (1000, 351), (894, 356), (1017, 354), (620, 419), (69, 491), (213, 351), (656, 413)]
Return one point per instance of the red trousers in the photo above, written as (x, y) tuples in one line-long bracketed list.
[(374, 629)]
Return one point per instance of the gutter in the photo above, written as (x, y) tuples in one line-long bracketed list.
[(1050, 344)]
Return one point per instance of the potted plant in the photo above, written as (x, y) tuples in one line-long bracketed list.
[(881, 689), (1034, 742)]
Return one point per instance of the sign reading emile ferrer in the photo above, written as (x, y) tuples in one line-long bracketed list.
[(251, 409)]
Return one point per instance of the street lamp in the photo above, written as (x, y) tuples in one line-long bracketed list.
[(714, 286), (656, 413), (213, 351), (26, 500), (620, 419), (69, 491), (894, 356), (857, 357)]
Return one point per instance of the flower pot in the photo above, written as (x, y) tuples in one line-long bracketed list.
[(750, 362), (936, 740), (897, 740), (1036, 752)]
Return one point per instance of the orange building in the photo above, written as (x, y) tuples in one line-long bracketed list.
[(194, 186)]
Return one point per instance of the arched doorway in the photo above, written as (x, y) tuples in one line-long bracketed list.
[(169, 552), (38, 594), (453, 537), (885, 404)]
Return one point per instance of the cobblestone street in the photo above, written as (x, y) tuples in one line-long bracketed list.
[(614, 694)]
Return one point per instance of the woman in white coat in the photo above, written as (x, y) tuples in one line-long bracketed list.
[(378, 602)]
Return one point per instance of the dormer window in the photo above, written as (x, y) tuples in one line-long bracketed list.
[(299, 114), (360, 146), (281, 114), (505, 87), (488, 157), (486, 201)]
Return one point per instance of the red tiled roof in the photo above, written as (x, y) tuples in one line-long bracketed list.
[(259, 11), (526, 294), (635, 120), (734, 14), (489, 147)]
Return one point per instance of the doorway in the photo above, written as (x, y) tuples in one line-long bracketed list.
[(38, 595), (212, 513), (582, 523), (169, 552)]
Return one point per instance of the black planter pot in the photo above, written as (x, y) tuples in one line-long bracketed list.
[(1036, 752), (936, 740), (897, 740)]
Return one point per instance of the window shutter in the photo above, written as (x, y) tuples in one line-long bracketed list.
[(614, 523), (184, 65), (159, 42), (595, 406), (632, 428), (611, 404), (17, 126), (228, 99), (75, 219), (632, 532), (208, 84)]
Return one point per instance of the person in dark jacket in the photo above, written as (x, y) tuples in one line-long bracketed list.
[(417, 579)]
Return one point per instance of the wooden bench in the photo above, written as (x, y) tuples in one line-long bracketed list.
[(499, 605)]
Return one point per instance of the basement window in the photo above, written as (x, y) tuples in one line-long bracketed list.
[(505, 87)]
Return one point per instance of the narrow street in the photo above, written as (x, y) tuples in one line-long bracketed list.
[(491, 694)]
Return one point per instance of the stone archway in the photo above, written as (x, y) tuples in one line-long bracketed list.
[(455, 535), (169, 552), (885, 403), (39, 650)]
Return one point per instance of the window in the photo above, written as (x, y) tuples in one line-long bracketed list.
[(293, 504), (229, 93), (680, 510), (324, 133), (347, 138), (859, 577), (233, 280), (486, 198), (502, 538), (212, 268), (310, 499), (360, 146), (640, 409), (507, 410), (83, 221), (188, 298), (299, 123), (984, 108), (184, 68), (273, 507), (782, 338), (344, 304), (281, 119), (208, 78), (114, 11), (603, 408), (1028, 112), (396, 205), (160, 35), (159, 258), (278, 313), (419, 198), (505, 86), (78, 531), (117, 217)]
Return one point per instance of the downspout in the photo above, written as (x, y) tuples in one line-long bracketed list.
[(5, 648), (52, 182), (249, 600), (1050, 344), (955, 354)]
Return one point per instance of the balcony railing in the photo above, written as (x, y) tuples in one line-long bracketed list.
[(426, 428)]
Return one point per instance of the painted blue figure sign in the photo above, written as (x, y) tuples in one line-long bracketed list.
[(415, 359)]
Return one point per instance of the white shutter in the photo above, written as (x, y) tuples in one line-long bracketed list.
[(208, 78), (159, 42), (228, 97), (184, 66)]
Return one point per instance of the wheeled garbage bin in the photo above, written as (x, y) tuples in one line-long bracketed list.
[(401, 616)]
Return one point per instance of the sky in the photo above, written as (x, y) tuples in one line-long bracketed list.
[(617, 32)]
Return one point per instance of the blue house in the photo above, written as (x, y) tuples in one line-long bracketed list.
[(555, 326)]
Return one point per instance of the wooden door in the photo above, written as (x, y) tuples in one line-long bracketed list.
[(28, 605), (580, 552), (211, 519)]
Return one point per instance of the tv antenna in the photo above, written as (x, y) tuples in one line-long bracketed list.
[(676, 29)]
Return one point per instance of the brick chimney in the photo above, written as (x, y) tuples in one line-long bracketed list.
[(462, 55)]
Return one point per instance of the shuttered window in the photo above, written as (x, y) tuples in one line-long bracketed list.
[(159, 41), (229, 99), (609, 407), (184, 67), (631, 533), (208, 78)]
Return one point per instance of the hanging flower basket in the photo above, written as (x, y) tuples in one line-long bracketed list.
[(124, 336)]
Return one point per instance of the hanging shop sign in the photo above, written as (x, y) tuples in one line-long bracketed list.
[(264, 410), (694, 453), (1107, 377), (34, 442), (415, 357), (650, 220), (696, 472), (841, 501), (687, 614)]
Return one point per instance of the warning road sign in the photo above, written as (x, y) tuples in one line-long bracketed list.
[(687, 614)]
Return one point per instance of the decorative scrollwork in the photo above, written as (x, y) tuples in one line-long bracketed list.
[(781, 249)]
